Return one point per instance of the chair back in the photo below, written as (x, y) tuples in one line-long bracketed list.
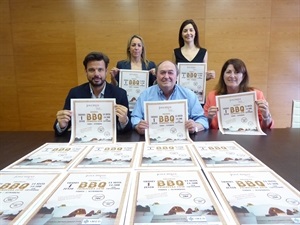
[(295, 122)]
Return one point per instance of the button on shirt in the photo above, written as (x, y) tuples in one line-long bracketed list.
[(154, 93)]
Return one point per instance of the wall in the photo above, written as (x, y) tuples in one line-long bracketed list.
[(43, 43)]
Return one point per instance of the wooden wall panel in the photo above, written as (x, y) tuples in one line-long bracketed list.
[(4, 12), (171, 10), (109, 37), (43, 43), (34, 11), (238, 9), (9, 104), (106, 10)]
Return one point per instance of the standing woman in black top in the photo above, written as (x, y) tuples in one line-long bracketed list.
[(189, 48)]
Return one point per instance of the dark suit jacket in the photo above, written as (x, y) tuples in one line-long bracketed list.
[(83, 91), (126, 65)]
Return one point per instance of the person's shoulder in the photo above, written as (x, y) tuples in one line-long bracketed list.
[(212, 92), (177, 49), (114, 87), (123, 62), (185, 89)]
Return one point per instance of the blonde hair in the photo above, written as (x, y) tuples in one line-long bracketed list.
[(143, 55)]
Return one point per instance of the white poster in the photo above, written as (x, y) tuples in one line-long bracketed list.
[(166, 122), (119, 155), (257, 197), (238, 114), (173, 197), (224, 154), (134, 82), (20, 190), (172, 155), (53, 156), (93, 121), (84, 198), (193, 77)]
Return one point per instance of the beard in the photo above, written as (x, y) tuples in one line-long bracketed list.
[(98, 83)]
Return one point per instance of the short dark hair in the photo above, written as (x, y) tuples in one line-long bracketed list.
[(95, 56)]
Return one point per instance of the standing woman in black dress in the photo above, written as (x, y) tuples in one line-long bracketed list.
[(189, 47)]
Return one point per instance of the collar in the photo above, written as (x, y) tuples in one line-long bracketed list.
[(101, 93)]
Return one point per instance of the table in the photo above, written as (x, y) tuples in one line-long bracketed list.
[(279, 149)]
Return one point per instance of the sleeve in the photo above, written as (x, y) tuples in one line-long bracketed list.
[(196, 112), (138, 111), (60, 132), (260, 96), (123, 100), (152, 78)]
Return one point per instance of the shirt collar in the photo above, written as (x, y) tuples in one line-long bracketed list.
[(101, 93)]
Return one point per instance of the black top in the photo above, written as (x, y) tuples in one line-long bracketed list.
[(197, 59)]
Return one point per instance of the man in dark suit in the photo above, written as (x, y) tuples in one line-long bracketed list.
[(95, 64)]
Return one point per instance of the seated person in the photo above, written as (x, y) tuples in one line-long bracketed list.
[(167, 89), (234, 78), (95, 64), (136, 60)]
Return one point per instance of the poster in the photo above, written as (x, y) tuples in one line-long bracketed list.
[(93, 121), (53, 156), (172, 155), (120, 155), (166, 122), (173, 197), (193, 77), (224, 154), (257, 197), (84, 198), (20, 190), (134, 82), (238, 114)]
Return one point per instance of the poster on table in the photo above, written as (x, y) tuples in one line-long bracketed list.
[(49, 156), (84, 198), (134, 82), (166, 122), (224, 154), (120, 155), (256, 197), (193, 77), (93, 121), (238, 114), (20, 190), (173, 197), (167, 155)]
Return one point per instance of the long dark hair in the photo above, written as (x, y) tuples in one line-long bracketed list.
[(196, 39), (239, 67)]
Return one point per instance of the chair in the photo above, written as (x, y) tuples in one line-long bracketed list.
[(295, 122)]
